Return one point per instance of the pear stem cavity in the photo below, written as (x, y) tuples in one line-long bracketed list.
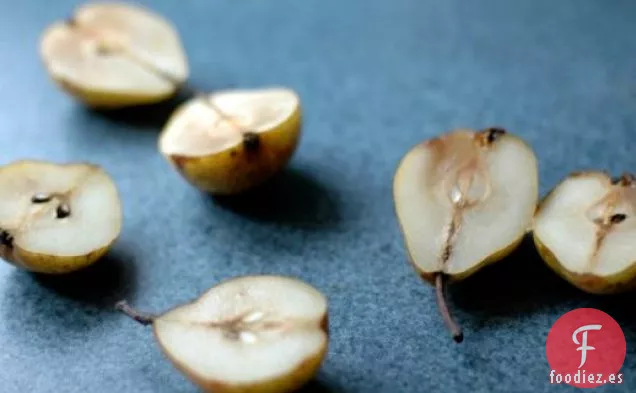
[(493, 133), (440, 289), (251, 141), (143, 318)]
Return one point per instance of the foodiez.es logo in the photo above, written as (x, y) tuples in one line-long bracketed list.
[(586, 348)]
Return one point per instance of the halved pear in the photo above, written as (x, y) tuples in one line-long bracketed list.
[(233, 140), (464, 200), (585, 230), (249, 334), (113, 55), (57, 218)]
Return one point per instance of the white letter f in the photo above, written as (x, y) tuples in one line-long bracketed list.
[(584, 347)]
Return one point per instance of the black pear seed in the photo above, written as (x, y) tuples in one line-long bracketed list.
[(41, 198), (618, 218), (63, 211)]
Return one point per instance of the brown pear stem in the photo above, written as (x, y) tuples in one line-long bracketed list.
[(440, 289), (142, 318)]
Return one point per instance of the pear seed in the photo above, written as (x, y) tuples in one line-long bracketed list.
[(63, 211), (618, 218), (41, 198)]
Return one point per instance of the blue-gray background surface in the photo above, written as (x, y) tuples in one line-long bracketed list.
[(375, 77)]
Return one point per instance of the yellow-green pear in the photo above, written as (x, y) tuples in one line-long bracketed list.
[(231, 141), (585, 230), (57, 218), (464, 200), (112, 55), (248, 334)]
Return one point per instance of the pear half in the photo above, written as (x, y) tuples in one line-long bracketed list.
[(464, 200), (56, 218), (113, 55), (249, 334), (585, 230), (233, 140)]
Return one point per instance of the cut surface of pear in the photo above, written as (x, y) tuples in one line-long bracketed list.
[(230, 141), (464, 199), (585, 230), (114, 55), (57, 218), (247, 334)]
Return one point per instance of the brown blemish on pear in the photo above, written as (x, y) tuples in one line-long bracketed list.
[(324, 324), (180, 161), (625, 180)]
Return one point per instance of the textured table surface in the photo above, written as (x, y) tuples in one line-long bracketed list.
[(375, 78)]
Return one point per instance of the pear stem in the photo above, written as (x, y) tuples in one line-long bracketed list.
[(440, 287), (142, 318)]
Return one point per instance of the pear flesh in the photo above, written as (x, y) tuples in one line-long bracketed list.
[(113, 55), (464, 200), (56, 218), (247, 334), (585, 230), (230, 141)]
